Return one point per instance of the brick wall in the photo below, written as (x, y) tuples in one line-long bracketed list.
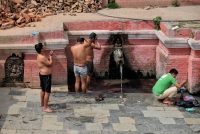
[(109, 25), (141, 58), (194, 71)]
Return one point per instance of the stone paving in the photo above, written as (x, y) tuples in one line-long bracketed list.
[(77, 113)]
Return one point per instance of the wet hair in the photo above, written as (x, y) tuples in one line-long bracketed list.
[(38, 47), (173, 71), (79, 39), (92, 35)]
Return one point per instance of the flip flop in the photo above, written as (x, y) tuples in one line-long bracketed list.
[(168, 102)]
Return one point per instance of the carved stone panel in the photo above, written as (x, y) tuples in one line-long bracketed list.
[(14, 69)]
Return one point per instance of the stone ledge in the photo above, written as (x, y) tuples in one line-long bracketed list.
[(17, 46), (104, 34), (195, 45), (172, 42), (55, 44), (52, 44)]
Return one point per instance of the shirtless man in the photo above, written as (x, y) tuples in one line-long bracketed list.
[(90, 56), (45, 67), (80, 69)]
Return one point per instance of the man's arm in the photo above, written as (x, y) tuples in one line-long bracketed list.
[(46, 61), (96, 44), (179, 85), (87, 43)]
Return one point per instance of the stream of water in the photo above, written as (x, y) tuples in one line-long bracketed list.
[(121, 73)]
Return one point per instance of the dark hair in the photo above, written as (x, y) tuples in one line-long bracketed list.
[(79, 39), (173, 71), (92, 35), (38, 47)]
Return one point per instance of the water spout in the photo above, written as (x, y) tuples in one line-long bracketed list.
[(121, 73)]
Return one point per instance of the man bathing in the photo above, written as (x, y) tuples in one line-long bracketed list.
[(80, 69), (90, 56)]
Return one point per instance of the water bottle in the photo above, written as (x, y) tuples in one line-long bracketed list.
[(190, 109)]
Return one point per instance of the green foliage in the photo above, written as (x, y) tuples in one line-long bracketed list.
[(113, 5), (157, 22), (175, 3), (192, 35)]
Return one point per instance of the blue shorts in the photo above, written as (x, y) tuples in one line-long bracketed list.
[(80, 71)]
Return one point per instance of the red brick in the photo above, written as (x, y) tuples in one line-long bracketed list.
[(146, 25), (130, 25), (179, 51), (115, 25)]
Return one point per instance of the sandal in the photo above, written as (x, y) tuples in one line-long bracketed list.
[(99, 99)]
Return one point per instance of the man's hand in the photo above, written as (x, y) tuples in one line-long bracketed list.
[(51, 53), (184, 81)]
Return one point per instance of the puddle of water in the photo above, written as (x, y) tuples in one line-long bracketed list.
[(114, 86)]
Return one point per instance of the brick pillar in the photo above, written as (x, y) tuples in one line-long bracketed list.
[(168, 58), (194, 71)]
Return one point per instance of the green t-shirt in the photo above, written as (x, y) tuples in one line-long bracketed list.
[(163, 83)]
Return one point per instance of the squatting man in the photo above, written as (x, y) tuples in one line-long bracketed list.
[(163, 90)]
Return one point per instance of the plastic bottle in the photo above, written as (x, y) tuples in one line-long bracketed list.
[(190, 109), (34, 33)]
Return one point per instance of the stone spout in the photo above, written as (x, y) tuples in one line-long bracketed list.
[(118, 56)]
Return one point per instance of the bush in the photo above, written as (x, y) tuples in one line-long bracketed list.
[(157, 22), (113, 5), (175, 3)]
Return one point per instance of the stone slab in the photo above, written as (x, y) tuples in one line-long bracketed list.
[(18, 98), (167, 120), (94, 126), (50, 123), (72, 132), (6, 131), (192, 120), (124, 127), (169, 114), (126, 120)]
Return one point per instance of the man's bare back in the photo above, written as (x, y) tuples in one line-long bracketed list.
[(79, 54)]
